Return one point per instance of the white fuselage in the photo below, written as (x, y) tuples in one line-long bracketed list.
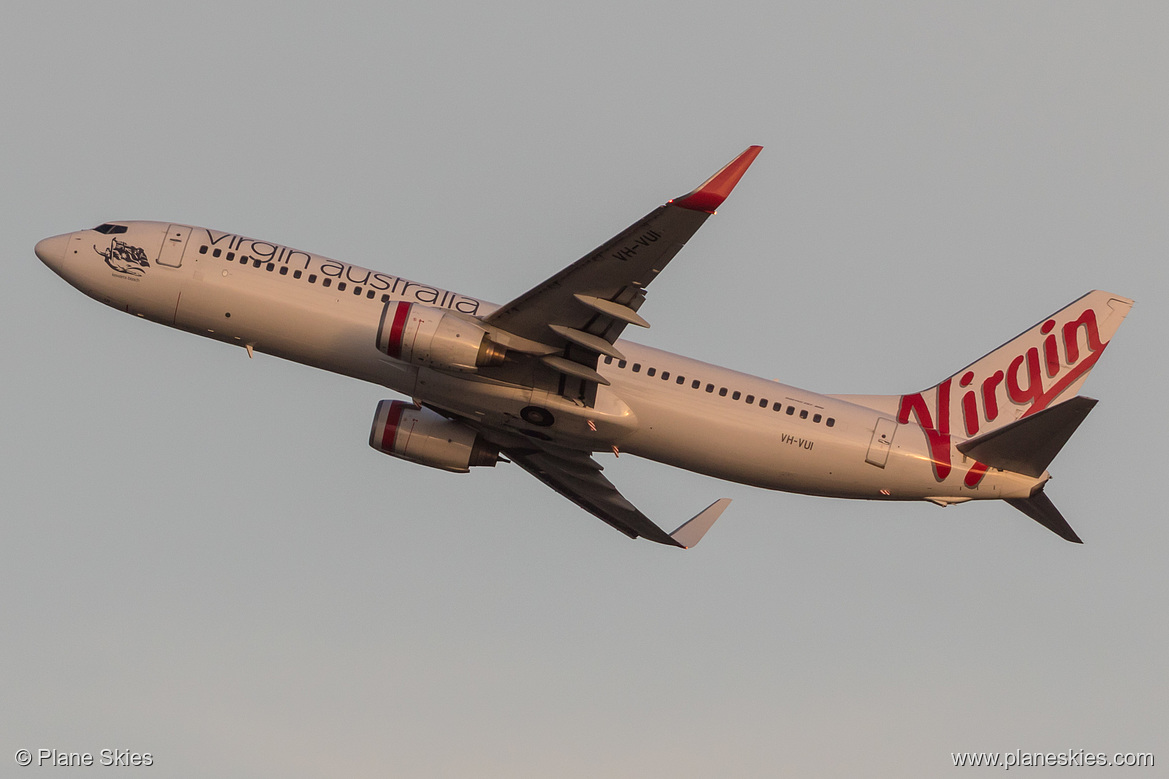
[(659, 405)]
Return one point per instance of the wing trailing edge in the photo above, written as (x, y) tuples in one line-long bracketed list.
[(577, 476)]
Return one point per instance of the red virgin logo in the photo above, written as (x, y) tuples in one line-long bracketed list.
[(1023, 377)]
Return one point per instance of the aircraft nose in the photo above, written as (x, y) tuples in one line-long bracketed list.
[(51, 251)]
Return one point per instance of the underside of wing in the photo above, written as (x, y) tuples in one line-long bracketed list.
[(577, 476), (580, 480)]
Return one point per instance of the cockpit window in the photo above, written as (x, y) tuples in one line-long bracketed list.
[(110, 229)]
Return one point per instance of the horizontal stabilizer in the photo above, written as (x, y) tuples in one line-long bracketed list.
[(1028, 445), (691, 532), (1040, 508)]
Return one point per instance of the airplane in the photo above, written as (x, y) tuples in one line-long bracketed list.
[(546, 381)]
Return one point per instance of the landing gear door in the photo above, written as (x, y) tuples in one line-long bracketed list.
[(882, 442), (173, 246)]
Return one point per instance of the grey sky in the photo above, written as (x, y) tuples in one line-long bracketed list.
[(201, 558)]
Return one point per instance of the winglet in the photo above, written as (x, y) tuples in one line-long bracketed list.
[(715, 189), (692, 531)]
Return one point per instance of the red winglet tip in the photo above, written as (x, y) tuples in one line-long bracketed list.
[(715, 189)]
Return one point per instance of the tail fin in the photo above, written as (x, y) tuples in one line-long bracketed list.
[(1016, 407), (1038, 369)]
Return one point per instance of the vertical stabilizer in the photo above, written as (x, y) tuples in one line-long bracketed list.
[(1038, 369)]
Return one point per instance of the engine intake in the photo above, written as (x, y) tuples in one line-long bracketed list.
[(435, 338), (407, 431)]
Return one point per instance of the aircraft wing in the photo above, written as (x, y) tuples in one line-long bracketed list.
[(556, 331), (566, 322), (577, 476)]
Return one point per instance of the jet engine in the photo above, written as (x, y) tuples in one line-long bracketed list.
[(422, 436), (436, 338)]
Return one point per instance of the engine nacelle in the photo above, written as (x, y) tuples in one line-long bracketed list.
[(421, 436), (435, 338)]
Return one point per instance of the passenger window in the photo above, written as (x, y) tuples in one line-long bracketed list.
[(710, 388), (762, 402), (816, 418), (296, 274), (621, 364), (665, 375), (231, 256), (636, 367), (791, 410), (312, 278), (722, 392), (257, 263), (271, 267), (608, 360), (202, 250), (830, 422), (695, 384), (681, 380), (283, 270), (357, 291), (736, 395), (217, 252), (650, 371), (326, 282), (369, 294), (749, 399), (386, 298), (803, 413), (777, 406)]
